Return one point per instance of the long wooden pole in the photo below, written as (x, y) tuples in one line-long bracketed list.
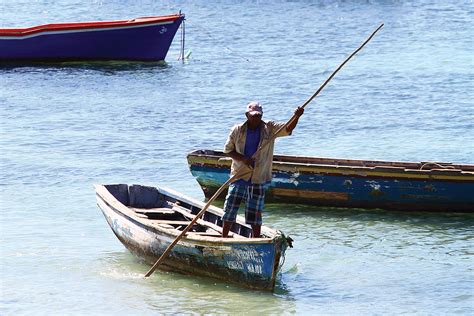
[(243, 172), (322, 86)]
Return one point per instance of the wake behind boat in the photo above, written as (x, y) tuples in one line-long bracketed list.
[(391, 185), (148, 219), (139, 39)]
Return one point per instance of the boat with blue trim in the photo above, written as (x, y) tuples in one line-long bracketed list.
[(148, 219), (390, 185), (139, 39)]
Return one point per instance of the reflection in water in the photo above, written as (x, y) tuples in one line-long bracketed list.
[(113, 65), (345, 253), (430, 219), (187, 293)]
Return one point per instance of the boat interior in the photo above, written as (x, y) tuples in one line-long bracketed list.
[(168, 212)]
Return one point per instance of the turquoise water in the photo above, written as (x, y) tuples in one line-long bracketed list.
[(407, 96)]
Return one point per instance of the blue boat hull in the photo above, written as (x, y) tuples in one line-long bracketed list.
[(392, 188), (148, 42)]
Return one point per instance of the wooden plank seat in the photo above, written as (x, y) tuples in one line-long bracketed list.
[(160, 210), (169, 223), (213, 226), (206, 233), (158, 213)]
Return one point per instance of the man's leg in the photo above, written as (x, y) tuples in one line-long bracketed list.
[(231, 207), (256, 230), (226, 226), (254, 208)]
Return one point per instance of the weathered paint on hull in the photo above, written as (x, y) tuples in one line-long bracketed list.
[(250, 265), (340, 186)]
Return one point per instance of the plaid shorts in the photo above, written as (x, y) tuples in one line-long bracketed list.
[(254, 196)]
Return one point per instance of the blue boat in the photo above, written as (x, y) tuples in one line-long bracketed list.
[(148, 219), (390, 185), (140, 39)]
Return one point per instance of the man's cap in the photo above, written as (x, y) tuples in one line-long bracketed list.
[(254, 107)]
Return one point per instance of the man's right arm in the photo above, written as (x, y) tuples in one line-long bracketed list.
[(239, 157), (230, 148)]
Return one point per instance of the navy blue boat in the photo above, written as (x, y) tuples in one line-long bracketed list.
[(148, 219), (140, 39)]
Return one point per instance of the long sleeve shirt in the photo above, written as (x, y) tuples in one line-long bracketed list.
[(262, 172)]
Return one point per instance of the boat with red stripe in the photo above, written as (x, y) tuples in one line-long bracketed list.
[(138, 39)]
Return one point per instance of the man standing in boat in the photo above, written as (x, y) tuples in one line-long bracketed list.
[(242, 143)]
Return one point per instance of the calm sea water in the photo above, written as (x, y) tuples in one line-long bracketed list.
[(407, 96)]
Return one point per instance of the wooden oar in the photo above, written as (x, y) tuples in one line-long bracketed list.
[(245, 171)]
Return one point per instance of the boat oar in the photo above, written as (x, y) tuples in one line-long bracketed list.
[(245, 171)]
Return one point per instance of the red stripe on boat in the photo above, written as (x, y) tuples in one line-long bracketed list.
[(19, 32)]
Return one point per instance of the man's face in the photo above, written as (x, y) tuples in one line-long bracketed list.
[(254, 119)]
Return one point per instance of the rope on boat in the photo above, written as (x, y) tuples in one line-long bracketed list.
[(183, 31), (282, 261), (289, 241), (435, 164)]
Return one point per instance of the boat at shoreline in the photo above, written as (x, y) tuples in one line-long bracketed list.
[(390, 185), (139, 39), (148, 219)]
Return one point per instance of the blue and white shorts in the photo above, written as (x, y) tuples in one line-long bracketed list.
[(254, 196)]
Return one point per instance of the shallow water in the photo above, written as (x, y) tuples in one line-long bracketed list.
[(407, 96)]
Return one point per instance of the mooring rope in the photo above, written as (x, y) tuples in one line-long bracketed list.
[(435, 164), (282, 262), (183, 30)]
